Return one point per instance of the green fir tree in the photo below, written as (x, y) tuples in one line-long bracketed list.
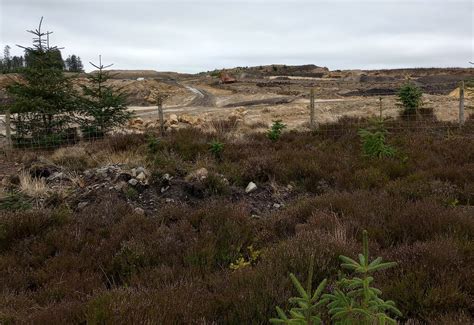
[(44, 101), (103, 108)]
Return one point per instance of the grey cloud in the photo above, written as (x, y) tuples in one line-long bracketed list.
[(192, 36)]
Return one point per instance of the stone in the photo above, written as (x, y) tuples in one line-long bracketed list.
[(133, 172), (133, 182), (135, 122), (82, 205), (5, 181), (168, 200), (188, 119), (199, 175), (56, 175), (139, 211), (141, 177), (141, 170), (251, 187), (276, 205), (173, 119)]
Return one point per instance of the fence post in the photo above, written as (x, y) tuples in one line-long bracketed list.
[(8, 129), (159, 102), (380, 108), (312, 121), (461, 103)]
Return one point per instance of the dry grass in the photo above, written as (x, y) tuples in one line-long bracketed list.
[(3, 193), (131, 158), (35, 188), (340, 231), (76, 158), (223, 127), (122, 150)]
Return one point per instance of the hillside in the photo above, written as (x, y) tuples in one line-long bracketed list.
[(144, 229)]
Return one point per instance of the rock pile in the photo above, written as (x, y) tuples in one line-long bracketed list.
[(172, 122), (238, 114), (117, 177)]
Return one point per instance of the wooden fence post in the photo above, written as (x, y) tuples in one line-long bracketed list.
[(461, 104), (312, 121), (160, 115), (380, 108), (8, 129)]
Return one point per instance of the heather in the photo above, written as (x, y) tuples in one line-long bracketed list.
[(161, 251)]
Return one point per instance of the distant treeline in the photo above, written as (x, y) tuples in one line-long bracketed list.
[(10, 64)]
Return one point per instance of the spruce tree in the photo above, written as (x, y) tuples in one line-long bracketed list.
[(102, 107), (44, 102), (79, 66), (67, 63), (6, 61), (74, 64)]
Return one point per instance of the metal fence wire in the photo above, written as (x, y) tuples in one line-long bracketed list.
[(336, 116)]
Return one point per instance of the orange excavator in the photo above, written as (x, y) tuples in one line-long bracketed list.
[(226, 78)]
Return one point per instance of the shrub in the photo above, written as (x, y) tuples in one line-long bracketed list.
[(73, 158), (369, 178), (353, 301), (410, 99), (106, 264), (131, 193), (188, 143), (222, 233), (243, 262), (216, 184), (373, 142), (421, 287), (153, 144), (215, 73), (275, 131), (14, 201), (35, 188), (308, 303), (224, 126), (216, 148), (122, 142)]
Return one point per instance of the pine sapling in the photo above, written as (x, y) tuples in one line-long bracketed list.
[(374, 141), (410, 98), (216, 147), (355, 301), (274, 132), (103, 108), (308, 303)]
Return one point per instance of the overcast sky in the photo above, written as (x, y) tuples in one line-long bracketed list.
[(194, 36)]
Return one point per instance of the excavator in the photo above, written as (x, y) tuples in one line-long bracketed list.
[(226, 78)]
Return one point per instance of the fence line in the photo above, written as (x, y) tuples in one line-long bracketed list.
[(345, 113)]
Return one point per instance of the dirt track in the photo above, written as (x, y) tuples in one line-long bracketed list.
[(261, 98), (203, 97)]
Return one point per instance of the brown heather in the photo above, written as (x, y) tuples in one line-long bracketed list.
[(107, 265)]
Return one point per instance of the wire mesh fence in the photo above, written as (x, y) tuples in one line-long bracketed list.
[(451, 112), (437, 113)]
